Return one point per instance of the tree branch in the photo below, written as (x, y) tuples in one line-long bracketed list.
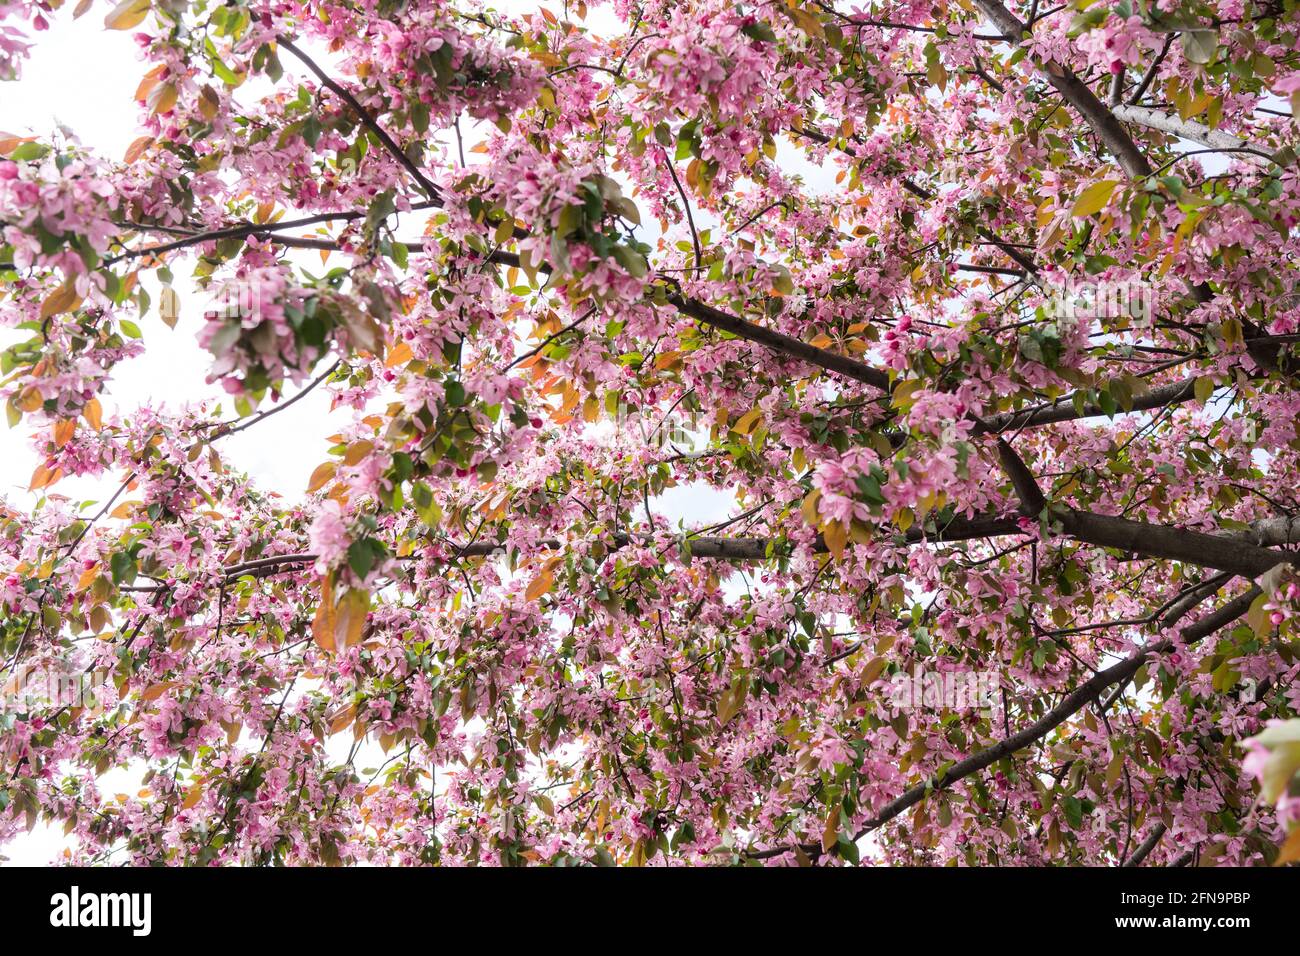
[(1186, 129), (1075, 92), (1070, 705)]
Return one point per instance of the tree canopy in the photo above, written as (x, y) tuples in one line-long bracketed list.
[(985, 315)]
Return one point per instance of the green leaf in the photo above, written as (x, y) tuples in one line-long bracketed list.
[(759, 31), (631, 260), (123, 567), (29, 151), (1199, 45), (1073, 808)]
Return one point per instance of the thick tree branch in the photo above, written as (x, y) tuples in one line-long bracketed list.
[(1031, 497), (1075, 92), (1173, 544), (1147, 845), (1184, 129)]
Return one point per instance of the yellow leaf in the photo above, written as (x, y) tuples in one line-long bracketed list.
[(837, 536), (169, 306), (1094, 198), (209, 102), (127, 14), (29, 399), (731, 699), (163, 98), (901, 396), (1204, 388), (192, 797), (351, 618), (809, 508), (1114, 770), (747, 422), (1258, 618)]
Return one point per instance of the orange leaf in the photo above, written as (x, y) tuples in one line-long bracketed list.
[(63, 299), (9, 142), (149, 81), (43, 477), (88, 578), (63, 431), (541, 585), (356, 451), (124, 510), (321, 476), (323, 625), (156, 691), (1289, 852), (831, 834), (342, 719), (94, 414), (399, 354)]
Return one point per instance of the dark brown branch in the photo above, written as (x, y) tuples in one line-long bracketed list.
[(1173, 544), (1031, 497), (1075, 92), (832, 362), (1063, 409), (1147, 845), (385, 140)]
